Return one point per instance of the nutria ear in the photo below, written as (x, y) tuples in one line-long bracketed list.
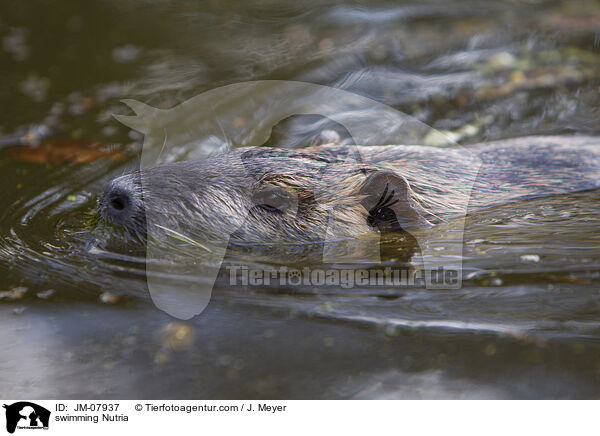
[(391, 203)]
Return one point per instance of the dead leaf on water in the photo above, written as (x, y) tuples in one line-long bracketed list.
[(64, 151), (13, 294)]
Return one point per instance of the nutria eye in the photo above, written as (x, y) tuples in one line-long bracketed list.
[(272, 199), (269, 208)]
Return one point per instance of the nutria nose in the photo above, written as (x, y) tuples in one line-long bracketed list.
[(118, 204)]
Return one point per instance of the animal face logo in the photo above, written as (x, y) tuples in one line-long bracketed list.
[(218, 123), (26, 415)]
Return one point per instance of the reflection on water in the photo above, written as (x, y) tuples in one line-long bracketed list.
[(525, 322)]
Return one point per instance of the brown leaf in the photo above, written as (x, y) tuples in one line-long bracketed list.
[(64, 151)]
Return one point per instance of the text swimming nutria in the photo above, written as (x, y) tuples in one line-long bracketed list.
[(273, 195)]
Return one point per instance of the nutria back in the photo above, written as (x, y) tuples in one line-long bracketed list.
[(503, 171)]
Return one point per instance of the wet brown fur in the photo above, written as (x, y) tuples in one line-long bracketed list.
[(215, 198)]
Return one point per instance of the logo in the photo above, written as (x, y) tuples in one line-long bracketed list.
[(243, 114), (26, 415)]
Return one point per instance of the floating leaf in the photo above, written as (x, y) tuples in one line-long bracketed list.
[(64, 151)]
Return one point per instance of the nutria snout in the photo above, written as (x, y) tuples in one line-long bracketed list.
[(122, 205), (312, 194)]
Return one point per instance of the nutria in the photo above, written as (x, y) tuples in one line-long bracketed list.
[(265, 194)]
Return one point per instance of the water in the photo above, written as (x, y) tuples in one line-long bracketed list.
[(524, 324)]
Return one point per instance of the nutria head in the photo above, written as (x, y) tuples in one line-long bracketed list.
[(264, 195)]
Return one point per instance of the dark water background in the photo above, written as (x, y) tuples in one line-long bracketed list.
[(76, 321)]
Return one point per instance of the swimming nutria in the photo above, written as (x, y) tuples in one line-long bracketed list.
[(282, 195)]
